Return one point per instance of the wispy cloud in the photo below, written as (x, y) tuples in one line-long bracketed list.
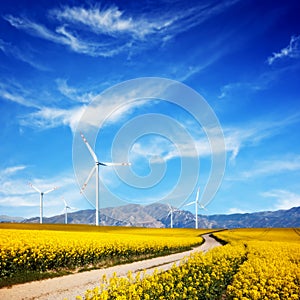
[(291, 51), (12, 170), (15, 92), (252, 134), (274, 166), (283, 199), (47, 117), (236, 138), (106, 32), (10, 182), (110, 21), (235, 210), (22, 55), (261, 82), (44, 117), (63, 36), (73, 93)]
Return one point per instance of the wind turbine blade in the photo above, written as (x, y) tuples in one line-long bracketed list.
[(115, 164), (88, 179), (190, 203), (89, 148), (197, 196), (35, 188), (53, 189), (203, 207), (66, 205)]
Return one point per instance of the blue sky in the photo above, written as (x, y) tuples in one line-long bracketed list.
[(58, 57)]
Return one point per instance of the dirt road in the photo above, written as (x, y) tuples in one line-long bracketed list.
[(70, 286)]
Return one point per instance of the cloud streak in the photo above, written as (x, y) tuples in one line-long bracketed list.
[(72, 93), (290, 51), (106, 32), (248, 136), (22, 55), (14, 92), (284, 199), (274, 166), (12, 170), (63, 36)]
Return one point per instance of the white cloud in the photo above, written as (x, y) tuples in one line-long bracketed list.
[(284, 199), (72, 93), (274, 166), (22, 55), (63, 36), (261, 81), (235, 210), (109, 21), (36, 29), (252, 134), (106, 32), (16, 93), (47, 117), (9, 180), (12, 170), (292, 51)]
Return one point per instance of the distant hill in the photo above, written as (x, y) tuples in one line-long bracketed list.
[(157, 215), (7, 219)]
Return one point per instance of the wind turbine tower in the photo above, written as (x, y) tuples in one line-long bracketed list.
[(197, 204), (95, 170), (41, 199)]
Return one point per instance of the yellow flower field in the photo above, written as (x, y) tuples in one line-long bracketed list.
[(201, 277), (272, 267), (41, 248), (255, 264)]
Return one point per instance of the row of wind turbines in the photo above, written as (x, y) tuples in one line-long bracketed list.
[(66, 207), (95, 170), (197, 206)]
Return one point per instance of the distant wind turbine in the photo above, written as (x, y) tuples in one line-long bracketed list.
[(66, 211), (41, 199), (197, 204), (95, 170), (171, 211)]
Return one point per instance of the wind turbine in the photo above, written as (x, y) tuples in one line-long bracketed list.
[(95, 170), (66, 211), (171, 210), (41, 199), (196, 202)]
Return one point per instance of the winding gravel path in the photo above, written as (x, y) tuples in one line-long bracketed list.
[(70, 286)]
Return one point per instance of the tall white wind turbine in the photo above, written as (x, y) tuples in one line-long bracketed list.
[(197, 204), (171, 211), (95, 170), (66, 211), (41, 199)]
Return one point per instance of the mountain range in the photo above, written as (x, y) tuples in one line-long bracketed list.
[(158, 216)]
